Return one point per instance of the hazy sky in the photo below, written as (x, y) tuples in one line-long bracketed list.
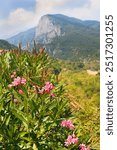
[(20, 15)]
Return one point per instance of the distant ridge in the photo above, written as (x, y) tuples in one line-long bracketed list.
[(6, 45)]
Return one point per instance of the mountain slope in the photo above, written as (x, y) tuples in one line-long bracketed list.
[(6, 45), (64, 37), (23, 37), (75, 39)]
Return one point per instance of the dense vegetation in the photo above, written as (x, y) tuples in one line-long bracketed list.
[(46, 106), (75, 44), (83, 91)]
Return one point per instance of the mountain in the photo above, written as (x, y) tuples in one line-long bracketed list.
[(6, 45), (64, 37)]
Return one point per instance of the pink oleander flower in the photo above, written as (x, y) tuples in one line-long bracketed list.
[(18, 81), (21, 92), (83, 147), (23, 81), (68, 140), (67, 124), (72, 139), (48, 87)]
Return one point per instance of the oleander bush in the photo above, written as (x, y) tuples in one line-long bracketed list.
[(35, 111)]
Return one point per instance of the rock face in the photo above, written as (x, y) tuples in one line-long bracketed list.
[(47, 29)]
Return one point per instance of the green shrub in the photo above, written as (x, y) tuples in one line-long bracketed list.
[(32, 104)]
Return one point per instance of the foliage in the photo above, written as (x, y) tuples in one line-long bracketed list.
[(33, 104), (84, 91), (76, 66), (36, 108)]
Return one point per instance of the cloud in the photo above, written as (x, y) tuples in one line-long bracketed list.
[(82, 9), (90, 10), (17, 20), (10, 5), (61, 4)]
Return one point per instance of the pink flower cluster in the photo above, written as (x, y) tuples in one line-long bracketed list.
[(72, 139), (47, 89), (67, 124), (83, 147), (18, 81)]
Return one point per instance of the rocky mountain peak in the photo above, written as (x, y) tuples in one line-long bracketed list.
[(47, 29)]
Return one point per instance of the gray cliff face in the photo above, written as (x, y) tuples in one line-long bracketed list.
[(47, 30)]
